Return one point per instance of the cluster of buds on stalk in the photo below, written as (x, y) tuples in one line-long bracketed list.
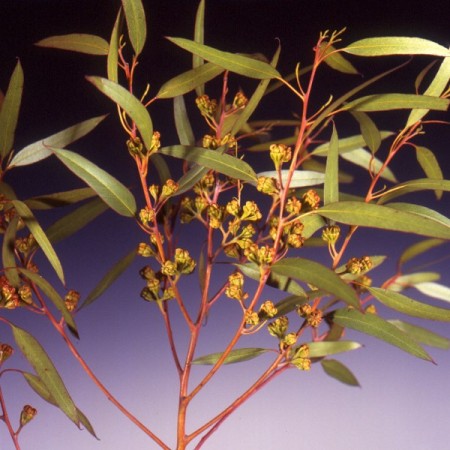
[(5, 352), (155, 289), (312, 316), (235, 288), (136, 147), (300, 358), (280, 154), (278, 328), (71, 300), (357, 266), (266, 311)]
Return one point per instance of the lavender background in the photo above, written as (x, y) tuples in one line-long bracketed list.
[(403, 402)]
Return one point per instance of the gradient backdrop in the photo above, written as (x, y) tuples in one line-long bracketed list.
[(403, 403)]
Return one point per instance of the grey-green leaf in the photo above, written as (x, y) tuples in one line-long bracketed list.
[(331, 183), (77, 42), (109, 189), (375, 326), (430, 165), (9, 112), (235, 356), (320, 349), (421, 184), (369, 130), (335, 369), (60, 199), (113, 52), (136, 23), (182, 123), (300, 178), (419, 248), (8, 255), (422, 335)]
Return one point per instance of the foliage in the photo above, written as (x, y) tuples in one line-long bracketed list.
[(255, 223)]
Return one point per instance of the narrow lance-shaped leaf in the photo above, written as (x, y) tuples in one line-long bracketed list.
[(369, 130), (41, 389), (435, 290), (420, 210), (421, 184), (199, 35), (324, 348), (41, 238), (410, 279), (46, 371), (408, 306), (430, 165), (300, 178), (396, 45), (419, 248), (377, 216), (59, 199), (136, 23), (235, 356), (375, 326), (41, 149), (8, 255), (53, 296), (222, 163), (336, 61), (110, 190), (77, 42), (422, 335), (318, 275), (129, 103), (182, 124), (331, 186), (109, 278), (9, 112), (242, 65), (335, 369), (113, 52)]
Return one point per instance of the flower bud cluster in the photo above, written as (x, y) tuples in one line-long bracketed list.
[(267, 185), (5, 352), (235, 288), (153, 290), (279, 154), (25, 244), (10, 298), (301, 359), (313, 316), (136, 147), (71, 300), (357, 266), (311, 200), (331, 234), (207, 106), (27, 414), (262, 256)]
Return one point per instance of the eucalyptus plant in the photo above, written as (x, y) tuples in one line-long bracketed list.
[(255, 224)]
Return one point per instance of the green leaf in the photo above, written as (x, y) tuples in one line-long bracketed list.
[(41, 149), (46, 371), (53, 296), (318, 275), (59, 199), (75, 220), (383, 217), (388, 102), (409, 280), (222, 163), (110, 190), (281, 282), (331, 186), (335, 369), (430, 166), (310, 225), (112, 63), (161, 167), (129, 103), (369, 131), (190, 178), (76, 42), (376, 261), (436, 88), (419, 248), (435, 290), (41, 238), (109, 278), (396, 45), (420, 184), (320, 349), (8, 255), (422, 335), (40, 388), (375, 326), (240, 64), (199, 36), (406, 305), (362, 158), (9, 112), (235, 356), (421, 211), (337, 62), (189, 80), (136, 23), (182, 124), (300, 178)]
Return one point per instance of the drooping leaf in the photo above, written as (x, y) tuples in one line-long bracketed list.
[(375, 326), (281, 282), (331, 182), (182, 123), (420, 184), (235, 356), (9, 112), (46, 371), (421, 211), (113, 51), (189, 80), (109, 278), (110, 190), (435, 290), (136, 23), (41, 238), (41, 389), (75, 220), (396, 45), (129, 103), (419, 248), (430, 166), (222, 163), (408, 306), (240, 64), (383, 217), (190, 178), (53, 296), (369, 131), (300, 178), (77, 42), (8, 255), (388, 102), (60, 199), (409, 280), (41, 149), (320, 349), (336, 61), (422, 335), (335, 369), (436, 88), (317, 275), (310, 225), (199, 35)]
